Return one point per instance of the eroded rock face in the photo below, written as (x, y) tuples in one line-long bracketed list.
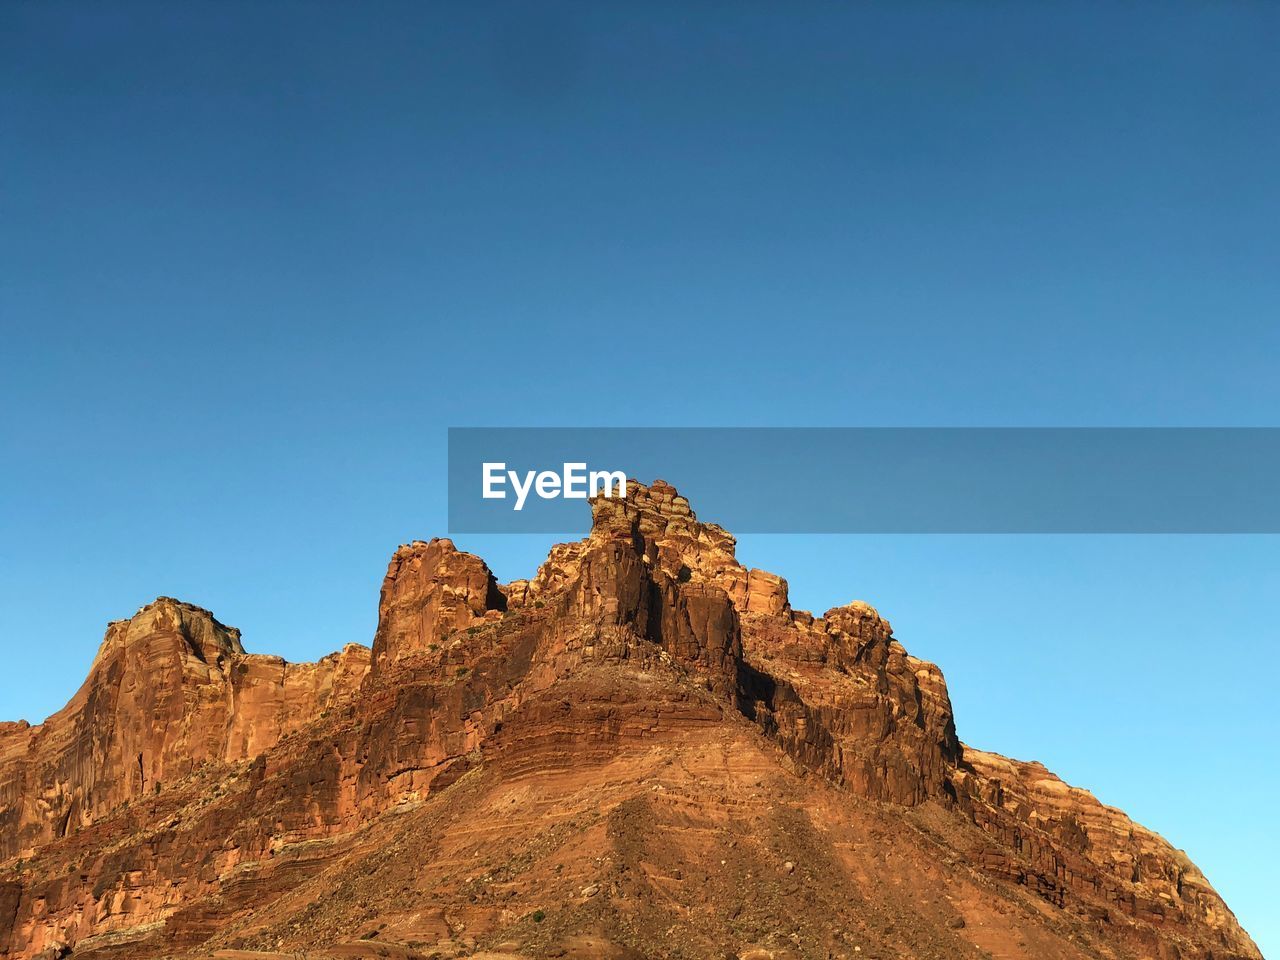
[(641, 659), (431, 590), (1075, 852), (171, 689)]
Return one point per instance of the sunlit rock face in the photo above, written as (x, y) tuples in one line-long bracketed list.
[(643, 743), (170, 690), (431, 590)]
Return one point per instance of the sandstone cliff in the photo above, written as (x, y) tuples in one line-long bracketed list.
[(642, 750)]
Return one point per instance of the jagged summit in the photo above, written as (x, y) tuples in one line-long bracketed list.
[(205, 637), (431, 590), (640, 751)]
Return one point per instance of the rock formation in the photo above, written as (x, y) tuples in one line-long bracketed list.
[(641, 751)]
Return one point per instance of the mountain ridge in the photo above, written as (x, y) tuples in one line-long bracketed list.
[(190, 794)]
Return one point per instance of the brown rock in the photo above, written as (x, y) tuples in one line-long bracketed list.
[(430, 591), (171, 689), (641, 711)]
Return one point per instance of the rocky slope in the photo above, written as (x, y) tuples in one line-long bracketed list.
[(643, 751)]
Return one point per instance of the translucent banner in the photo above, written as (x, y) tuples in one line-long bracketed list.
[(877, 480)]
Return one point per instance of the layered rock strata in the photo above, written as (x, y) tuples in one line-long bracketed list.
[(193, 797)]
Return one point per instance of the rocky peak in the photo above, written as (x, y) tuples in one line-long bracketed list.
[(669, 534), (651, 509), (645, 643), (664, 527), (171, 688), (194, 631), (431, 589), (860, 620)]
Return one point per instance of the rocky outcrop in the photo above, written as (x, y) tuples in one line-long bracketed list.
[(170, 690), (1078, 854), (430, 591), (644, 696)]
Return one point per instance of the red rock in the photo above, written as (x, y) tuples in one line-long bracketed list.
[(644, 717), (431, 590), (169, 690)]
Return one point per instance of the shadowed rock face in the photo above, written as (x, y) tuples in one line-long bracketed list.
[(644, 744)]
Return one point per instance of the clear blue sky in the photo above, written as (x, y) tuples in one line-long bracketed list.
[(255, 258)]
